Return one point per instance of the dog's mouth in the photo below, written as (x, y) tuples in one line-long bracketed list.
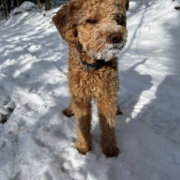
[(109, 52), (116, 46)]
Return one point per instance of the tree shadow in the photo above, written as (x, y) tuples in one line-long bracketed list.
[(132, 85), (162, 112)]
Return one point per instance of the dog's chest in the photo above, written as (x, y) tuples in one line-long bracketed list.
[(93, 82)]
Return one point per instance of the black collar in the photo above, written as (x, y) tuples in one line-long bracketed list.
[(94, 66)]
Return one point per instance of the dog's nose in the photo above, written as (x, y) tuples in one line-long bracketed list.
[(115, 38)]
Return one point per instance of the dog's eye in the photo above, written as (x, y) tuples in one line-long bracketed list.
[(75, 33), (91, 21), (119, 21)]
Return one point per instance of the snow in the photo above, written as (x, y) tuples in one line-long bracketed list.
[(37, 141), (25, 6)]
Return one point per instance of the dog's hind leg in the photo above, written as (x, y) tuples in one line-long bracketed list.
[(68, 111), (118, 111), (82, 112), (107, 113)]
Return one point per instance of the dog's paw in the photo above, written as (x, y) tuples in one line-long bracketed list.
[(83, 148), (119, 112), (113, 152), (68, 112)]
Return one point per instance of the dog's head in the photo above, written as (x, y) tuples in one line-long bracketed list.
[(99, 26)]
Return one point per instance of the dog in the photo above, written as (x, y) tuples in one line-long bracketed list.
[(95, 31)]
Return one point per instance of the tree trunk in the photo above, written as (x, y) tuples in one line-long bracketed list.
[(20, 2), (8, 3), (15, 4), (39, 6), (5, 9), (47, 5)]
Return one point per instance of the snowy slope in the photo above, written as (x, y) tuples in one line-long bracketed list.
[(37, 141)]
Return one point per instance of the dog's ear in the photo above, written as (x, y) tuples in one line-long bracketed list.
[(125, 4), (64, 23)]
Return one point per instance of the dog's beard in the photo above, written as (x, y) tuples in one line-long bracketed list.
[(109, 52)]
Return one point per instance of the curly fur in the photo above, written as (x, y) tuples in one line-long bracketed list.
[(91, 25)]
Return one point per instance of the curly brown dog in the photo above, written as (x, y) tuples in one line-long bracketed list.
[(95, 31)]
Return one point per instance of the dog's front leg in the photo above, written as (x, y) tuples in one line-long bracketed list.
[(107, 112), (82, 112)]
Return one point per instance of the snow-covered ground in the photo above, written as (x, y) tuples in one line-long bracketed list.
[(37, 141)]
